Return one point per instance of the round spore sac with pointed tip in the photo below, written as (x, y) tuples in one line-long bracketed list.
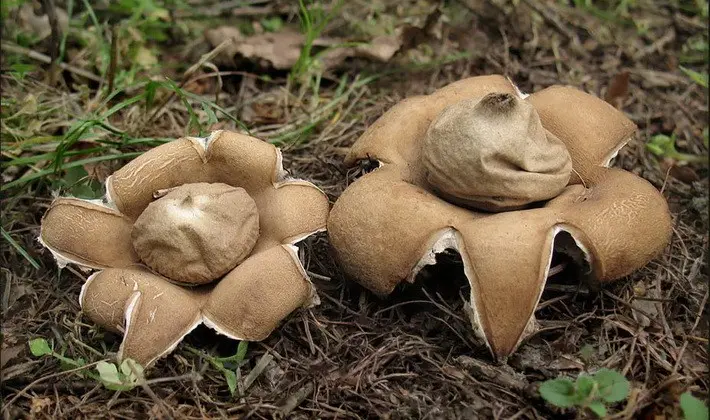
[(492, 153), (196, 233)]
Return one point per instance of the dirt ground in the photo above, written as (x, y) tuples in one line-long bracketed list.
[(412, 355)]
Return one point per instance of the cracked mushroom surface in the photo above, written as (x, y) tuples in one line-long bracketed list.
[(198, 230), (507, 180)]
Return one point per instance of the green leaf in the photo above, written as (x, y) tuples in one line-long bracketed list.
[(693, 408), (272, 24), (699, 78), (108, 373), (585, 387), (242, 350), (613, 386), (40, 347), (586, 352), (706, 142), (236, 357), (21, 69), (132, 370), (558, 392), (211, 117), (231, 378), (662, 145), (598, 408), (150, 88)]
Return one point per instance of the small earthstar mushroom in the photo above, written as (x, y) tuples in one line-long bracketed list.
[(216, 214)]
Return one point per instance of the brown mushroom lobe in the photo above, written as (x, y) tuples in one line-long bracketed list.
[(197, 232), (492, 153)]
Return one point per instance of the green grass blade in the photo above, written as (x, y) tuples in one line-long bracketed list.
[(28, 160), (20, 249), (699, 78), (40, 174)]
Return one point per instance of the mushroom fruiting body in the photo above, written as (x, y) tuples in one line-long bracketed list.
[(217, 214), (390, 223)]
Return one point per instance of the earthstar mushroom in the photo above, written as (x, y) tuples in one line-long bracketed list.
[(198, 230), (391, 222)]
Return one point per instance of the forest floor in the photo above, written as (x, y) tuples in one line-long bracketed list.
[(132, 74)]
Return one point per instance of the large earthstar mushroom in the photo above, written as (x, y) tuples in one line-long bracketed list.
[(483, 169)]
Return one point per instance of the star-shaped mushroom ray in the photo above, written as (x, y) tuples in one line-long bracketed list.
[(89, 233), (381, 226), (622, 220), (253, 298), (593, 130), (289, 212), (153, 314)]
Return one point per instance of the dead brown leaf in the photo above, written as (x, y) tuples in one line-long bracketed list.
[(281, 50), (9, 353), (682, 173), (264, 112), (38, 25), (618, 89), (650, 308)]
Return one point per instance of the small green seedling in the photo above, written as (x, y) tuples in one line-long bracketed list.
[(663, 146), (40, 347), (226, 365), (128, 377), (117, 378), (591, 392), (693, 408), (272, 24)]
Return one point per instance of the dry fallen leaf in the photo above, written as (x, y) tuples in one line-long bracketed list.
[(264, 112), (382, 48), (618, 89), (39, 25), (281, 50), (9, 353), (649, 307), (684, 174)]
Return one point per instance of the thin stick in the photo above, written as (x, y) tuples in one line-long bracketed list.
[(54, 375), (114, 58), (56, 37), (48, 60)]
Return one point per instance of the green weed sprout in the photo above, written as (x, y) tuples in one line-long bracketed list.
[(226, 365), (123, 377), (693, 408), (663, 146), (591, 392)]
